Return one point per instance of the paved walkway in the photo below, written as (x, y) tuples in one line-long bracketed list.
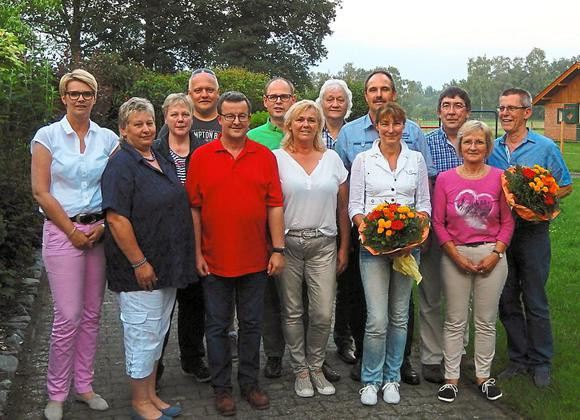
[(28, 395)]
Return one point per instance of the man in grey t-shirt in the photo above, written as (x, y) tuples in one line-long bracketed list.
[(203, 89)]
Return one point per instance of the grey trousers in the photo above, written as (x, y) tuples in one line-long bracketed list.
[(487, 288), (310, 262)]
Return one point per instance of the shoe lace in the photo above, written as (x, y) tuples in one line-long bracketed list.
[(486, 384), (452, 386), (390, 385), (368, 388)]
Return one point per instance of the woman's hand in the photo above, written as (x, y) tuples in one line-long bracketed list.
[(341, 260), (95, 235), (487, 264), (465, 264), (80, 240), (146, 276)]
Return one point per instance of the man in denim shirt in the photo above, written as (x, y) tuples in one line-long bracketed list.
[(358, 136), (528, 328)]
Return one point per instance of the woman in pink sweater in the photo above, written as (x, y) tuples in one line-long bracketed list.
[(474, 226)]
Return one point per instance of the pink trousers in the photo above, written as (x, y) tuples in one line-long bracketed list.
[(77, 284)]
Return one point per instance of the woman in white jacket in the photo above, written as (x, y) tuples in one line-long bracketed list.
[(389, 173)]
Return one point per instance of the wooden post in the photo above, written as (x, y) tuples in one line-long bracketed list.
[(562, 134)]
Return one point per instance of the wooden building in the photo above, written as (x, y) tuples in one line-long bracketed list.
[(561, 100)]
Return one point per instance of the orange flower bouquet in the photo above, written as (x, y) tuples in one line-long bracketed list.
[(531, 192), (395, 229)]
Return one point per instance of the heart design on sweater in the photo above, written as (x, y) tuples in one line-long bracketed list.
[(474, 207)]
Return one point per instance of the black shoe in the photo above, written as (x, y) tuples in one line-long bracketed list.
[(408, 374), (346, 354), (197, 369), (432, 373), (330, 374), (490, 390), (355, 371), (273, 367), (447, 393)]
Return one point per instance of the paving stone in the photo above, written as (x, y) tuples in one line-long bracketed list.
[(8, 363), (28, 392)]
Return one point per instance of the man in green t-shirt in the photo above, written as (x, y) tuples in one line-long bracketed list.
[(278, 98)]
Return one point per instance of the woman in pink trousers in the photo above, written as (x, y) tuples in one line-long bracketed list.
[(68, 158)]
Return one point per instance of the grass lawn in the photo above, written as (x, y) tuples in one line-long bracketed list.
[(572, 156), (561, 399)]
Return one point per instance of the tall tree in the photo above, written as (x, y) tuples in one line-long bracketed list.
[(282, 38)]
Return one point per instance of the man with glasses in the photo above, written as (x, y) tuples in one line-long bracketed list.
[(355, 137), (278, 98), (453, 110), (523, 307), (236, 200)]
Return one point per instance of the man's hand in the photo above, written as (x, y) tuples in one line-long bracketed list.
[(201, 265), (341, 260), (276, 264)]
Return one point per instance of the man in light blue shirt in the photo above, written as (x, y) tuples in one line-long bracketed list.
[(523, 307), (358, 136)]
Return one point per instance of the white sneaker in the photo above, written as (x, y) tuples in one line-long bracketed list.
[(321, 383), (302, 385), (391, 393), (368, 394)]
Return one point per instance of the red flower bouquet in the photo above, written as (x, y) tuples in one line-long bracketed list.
[(531, 192), (395, 229)]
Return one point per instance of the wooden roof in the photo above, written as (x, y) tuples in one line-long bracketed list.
[(561, 81)]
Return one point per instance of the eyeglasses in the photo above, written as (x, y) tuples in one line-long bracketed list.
[(510, 108), (446, 106), (477, 143), (75, 94), (202, 70), (232, 117), (283, 98)]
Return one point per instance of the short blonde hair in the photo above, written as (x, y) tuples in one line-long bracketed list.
[(132, 106), (177, 98), (296, 109), (79, 75), (471, 126)]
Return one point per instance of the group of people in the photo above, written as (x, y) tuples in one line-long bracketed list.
[(262, 226)]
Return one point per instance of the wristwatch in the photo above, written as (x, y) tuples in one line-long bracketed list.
[(279, 250), (499, 254)]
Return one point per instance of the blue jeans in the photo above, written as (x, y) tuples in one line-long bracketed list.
[(529, 333), (219, 295), (387, 295)]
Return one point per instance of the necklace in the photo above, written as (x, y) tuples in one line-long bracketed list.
[(476, 174), (151, 159)]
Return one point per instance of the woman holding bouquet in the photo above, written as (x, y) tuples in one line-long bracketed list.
[(315, 195), (387, 173), (474, 226)]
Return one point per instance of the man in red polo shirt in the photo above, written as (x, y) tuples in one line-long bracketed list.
[(236, 200)]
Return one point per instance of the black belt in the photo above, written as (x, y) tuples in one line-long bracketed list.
[(87, 218), (472, 244)]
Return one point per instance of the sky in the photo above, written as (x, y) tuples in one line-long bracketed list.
[(432, 41)]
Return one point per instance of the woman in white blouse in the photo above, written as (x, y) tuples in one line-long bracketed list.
[(315, 211), (68, 159), (389, 172)]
